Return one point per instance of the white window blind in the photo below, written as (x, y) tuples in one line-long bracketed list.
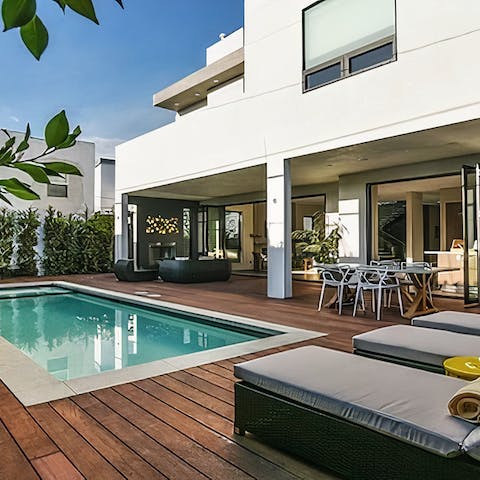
[(336, 27)]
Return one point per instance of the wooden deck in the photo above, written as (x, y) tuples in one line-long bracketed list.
[(175, 426)]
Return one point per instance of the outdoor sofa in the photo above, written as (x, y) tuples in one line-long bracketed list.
[(360, 417), (125, 272), (195, 271), (418, 347)]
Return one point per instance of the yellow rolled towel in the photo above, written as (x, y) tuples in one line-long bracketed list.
[(465, 403)]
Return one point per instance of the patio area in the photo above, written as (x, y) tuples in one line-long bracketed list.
[(178, 425)]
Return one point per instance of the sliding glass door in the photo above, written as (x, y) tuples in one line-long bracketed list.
[(471, 230)]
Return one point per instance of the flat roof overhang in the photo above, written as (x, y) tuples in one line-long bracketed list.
[(194, 88)]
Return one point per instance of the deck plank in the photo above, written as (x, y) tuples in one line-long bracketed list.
[(23, 428), (13, 464), (222, 445), (56, 467), (138, 409), (209, 401), (82, 455), (173, 467), (127, 462)]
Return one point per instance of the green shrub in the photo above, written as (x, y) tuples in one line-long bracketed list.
[(26, 240), (76, 245), (8, 229)]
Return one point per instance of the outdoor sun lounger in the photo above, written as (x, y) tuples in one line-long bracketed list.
[(359, 417), (460, 322), (418, 347)]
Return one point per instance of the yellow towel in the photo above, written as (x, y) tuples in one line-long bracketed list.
[(466, 402)]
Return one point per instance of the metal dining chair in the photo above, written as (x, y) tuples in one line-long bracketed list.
[(339, 277), (377, 281)]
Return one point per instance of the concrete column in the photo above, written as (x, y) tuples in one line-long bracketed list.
[(414, 216), (279, 228), (121, 226), (374, 217)]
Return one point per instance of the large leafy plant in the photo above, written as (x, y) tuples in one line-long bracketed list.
[(316, 243), (12, 156)]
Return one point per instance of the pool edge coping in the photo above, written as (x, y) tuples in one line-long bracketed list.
[(33, 385)]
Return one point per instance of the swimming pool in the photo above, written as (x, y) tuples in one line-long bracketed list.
[(59, 339), (73, 335)]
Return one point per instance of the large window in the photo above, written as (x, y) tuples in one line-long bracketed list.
[(343, 37)]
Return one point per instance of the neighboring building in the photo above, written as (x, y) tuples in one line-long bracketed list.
[(104, 185), (73, 194), (368, 107)]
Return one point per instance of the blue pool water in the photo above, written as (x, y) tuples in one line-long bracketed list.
[(73, 335)]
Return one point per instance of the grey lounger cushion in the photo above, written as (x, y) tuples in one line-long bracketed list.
[(417, 344), (460, 322), (405, 403)]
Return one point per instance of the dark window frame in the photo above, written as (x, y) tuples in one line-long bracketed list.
[(345, 59), (51, 195)]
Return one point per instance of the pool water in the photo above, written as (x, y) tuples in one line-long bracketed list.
[(74, 335)]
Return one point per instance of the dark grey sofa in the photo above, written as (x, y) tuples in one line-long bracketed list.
[(195, 271), (359, 417), (460, 322), (125, 272), (418, 347)]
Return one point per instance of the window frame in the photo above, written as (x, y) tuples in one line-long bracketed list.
[(344, 60), (58, 181)]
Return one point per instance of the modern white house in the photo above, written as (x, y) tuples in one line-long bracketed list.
[(366, 110), (104, 185), (72, 194)]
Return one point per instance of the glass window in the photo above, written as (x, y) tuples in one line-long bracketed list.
[(337, 30), (54, 190), (323, 76), (371, 58)]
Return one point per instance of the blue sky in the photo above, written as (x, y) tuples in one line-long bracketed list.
[(104, 76)]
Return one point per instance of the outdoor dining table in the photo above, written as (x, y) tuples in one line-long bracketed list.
[(421, 278)]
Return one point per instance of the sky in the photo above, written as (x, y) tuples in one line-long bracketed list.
[(105, 76)]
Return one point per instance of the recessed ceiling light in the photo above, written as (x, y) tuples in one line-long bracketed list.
[(176, 104), (216, 81), (362, 159), (197, 94)]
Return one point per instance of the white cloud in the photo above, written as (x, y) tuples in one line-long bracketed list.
[(14, 118), (104, 147)]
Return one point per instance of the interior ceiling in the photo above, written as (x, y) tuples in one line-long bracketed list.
[(325, 167), (430, 187)]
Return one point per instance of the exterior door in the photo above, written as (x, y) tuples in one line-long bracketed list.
[(471, 230)]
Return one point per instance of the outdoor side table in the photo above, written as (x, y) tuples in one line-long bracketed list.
[(467, 368)]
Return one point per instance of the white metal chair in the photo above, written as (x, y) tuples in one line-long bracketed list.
[(339, 277), (377, 281)]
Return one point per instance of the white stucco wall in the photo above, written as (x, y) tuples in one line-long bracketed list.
[(80, 189), (433, 83)]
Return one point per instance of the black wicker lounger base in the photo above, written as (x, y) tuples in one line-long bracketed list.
[(350, 450)]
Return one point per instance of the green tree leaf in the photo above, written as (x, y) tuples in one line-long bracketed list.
[(35, 36), (56, 131), (36, 172), (18, 189), (84, 8), (62, 167), (5, 199), (16, 13), (61, 4)]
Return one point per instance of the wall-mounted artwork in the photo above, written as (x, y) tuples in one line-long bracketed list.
[(162, 225)]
